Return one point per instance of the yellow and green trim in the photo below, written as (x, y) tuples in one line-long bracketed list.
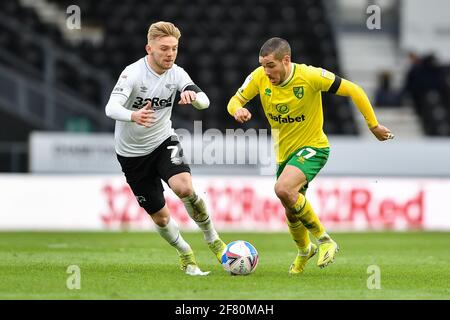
[(286, 82)]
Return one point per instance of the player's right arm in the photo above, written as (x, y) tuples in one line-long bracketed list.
[(115, 109), (236, 109), (245, 93)]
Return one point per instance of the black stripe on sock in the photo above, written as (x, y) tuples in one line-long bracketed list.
[(297, 226), (303, 206), (202, 220), (176, 240)]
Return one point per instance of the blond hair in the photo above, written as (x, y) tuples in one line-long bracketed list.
[(162, 29)]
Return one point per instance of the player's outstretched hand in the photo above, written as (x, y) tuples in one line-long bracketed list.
[(186, 97), (145, 116), (242, 115), (382, 133)]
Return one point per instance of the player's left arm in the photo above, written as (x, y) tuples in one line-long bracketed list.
[(346, 88), (192, 94)]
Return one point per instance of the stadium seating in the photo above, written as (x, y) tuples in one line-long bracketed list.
[(219, 47)]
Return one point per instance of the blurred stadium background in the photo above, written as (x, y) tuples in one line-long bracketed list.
[(55, 82), (57, 160)]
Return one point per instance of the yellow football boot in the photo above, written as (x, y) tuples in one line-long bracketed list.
[(217, 247), (327, 251), (300, 261), (189, 265)]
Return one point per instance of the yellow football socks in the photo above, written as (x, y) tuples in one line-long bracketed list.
[(308, 217), (300, 235)]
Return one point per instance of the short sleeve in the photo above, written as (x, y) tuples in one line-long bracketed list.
[(183, 79), (125, 84), (249, 88), (321, 79)]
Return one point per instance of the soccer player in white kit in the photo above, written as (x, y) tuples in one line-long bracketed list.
[(147, 146)]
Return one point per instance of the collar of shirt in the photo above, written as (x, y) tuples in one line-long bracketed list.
[(149, 68)]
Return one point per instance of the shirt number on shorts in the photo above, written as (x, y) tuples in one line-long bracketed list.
[(174, 157), (311, 153)]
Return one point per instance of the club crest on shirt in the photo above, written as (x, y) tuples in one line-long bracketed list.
[(298, 92)]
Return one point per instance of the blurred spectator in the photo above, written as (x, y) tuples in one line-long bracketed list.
[(424, 75), (385, 96)]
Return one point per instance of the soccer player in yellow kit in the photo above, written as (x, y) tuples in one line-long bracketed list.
[(290, 94)]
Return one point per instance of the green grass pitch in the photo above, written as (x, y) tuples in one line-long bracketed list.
[(138, 265)]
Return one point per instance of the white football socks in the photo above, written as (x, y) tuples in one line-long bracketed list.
[(196, 208), (209, 232), (171, 233)]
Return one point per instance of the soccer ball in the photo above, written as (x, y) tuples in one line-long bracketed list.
[(240, 258)]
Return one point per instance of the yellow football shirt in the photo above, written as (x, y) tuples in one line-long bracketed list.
[(293, 108)]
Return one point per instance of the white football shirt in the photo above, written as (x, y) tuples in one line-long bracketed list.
[(138, 83)]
